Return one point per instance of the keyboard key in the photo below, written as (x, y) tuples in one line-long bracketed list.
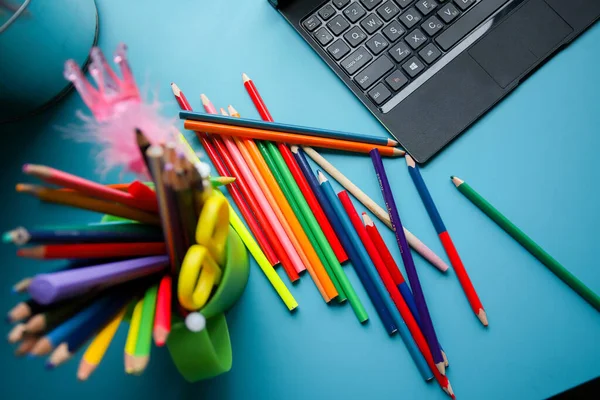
[(327, 12), (354, 12), (370, 4), (396, 80), (340, 3), (400, 51), (432, 25), (430, 53), (338, 49), (403, 3), (388, 10), (323, 36), (426, 6), (379, 94), (410, 18), (338, 25), (371, 24), (464, 4), (393, 31), (465, 24), (355, 36), (416, 39), (356, 60), (370, 75), (377, 44), (448, 13), (413, 67), (312, 23)]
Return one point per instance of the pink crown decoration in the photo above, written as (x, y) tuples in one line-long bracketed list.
[(118, 109)]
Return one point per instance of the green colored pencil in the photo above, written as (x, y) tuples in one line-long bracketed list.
[(299, 214), (141, 356), (526, 242)]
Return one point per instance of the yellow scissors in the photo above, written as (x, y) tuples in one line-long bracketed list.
[(201, 267)]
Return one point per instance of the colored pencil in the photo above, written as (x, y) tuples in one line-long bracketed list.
[(88, 188), (22, 285), (141, 356), (162, 318), (97, 348), (78, 200), (369, 275), (22, 236), (287, 128), (378, 211), (77, 338), (282, 255), (447, 243), (326, 289), (333, 266), (52, 287), (279, 232), (274, 279), (26, 345), (93, 250), (262, 134), (265, 248), (24, 310), (413, 277), (293, 217), (536, 250), (388, 283), (50, 318), (300, 170), (16, 333), (57, 335), (107, 226), (132, 335)]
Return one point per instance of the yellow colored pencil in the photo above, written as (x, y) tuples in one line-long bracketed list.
[(96, 350), (134, 329)]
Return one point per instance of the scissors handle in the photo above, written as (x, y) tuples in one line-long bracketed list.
[(199, 273), (213, 227)]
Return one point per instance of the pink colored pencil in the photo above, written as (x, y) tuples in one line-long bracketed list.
[(258, 194), (89, 188), (162, 315)]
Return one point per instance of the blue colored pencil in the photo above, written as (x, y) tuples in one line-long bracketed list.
[(61, 332), (286, 128), (73, 341), (413, 277), (440, 228), (22, 236), (357, 254)]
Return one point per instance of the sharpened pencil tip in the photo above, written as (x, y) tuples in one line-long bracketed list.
[(245, 77), (409, 161), (457, 181), (49, 365), (367, 220), (205, 100), (398, 152), (26, 167), (482, 317), (294, 149), (175, 89), (321, 176)]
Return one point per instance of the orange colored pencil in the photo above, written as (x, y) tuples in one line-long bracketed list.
[(89, 188), (244, 146), (289, 138), (95, 250), (162, 315), (78, 200)]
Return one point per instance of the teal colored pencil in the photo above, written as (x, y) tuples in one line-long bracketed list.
[(527, 243)]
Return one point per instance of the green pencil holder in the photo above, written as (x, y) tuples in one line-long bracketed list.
[(206, 354)]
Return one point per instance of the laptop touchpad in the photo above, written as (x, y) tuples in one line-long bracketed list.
[(517, 43)]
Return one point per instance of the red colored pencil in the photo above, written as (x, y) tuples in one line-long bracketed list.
[(262, 219), (183, 102), (397, 298), (383, 250), (95, 250), (162, 315), (314, 205), (233, 189), (260, 105)]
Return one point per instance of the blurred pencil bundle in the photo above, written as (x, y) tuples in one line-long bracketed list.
[(130, 261)]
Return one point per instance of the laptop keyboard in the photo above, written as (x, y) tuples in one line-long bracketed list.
[(383, 45)]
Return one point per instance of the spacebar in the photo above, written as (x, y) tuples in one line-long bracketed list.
[(468, 22)]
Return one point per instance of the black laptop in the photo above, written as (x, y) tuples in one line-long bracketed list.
[(427, 69)]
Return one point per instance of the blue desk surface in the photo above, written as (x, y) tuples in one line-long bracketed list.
[(534, 156)]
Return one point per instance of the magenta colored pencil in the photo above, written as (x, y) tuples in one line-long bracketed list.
[(52, 287)]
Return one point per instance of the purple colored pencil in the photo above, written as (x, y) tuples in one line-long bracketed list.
[(49, 288), (411, 272)]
